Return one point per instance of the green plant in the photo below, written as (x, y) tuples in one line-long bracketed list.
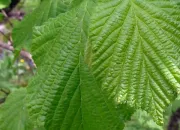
[(140, 120), (4, 3), (12, 75), (6, 73), (98, 61)]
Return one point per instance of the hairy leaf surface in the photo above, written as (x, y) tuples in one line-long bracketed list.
[(98, 61), (66, 100), (98, 112), (134, 52)]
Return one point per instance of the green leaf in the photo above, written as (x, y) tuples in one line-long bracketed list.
[(98, 112), (4, 3), (134, 49), (14, 113), (131, 48), (22, 33), (56, 102), (66, 100)]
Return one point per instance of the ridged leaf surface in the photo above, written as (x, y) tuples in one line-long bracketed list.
[(99, 60), (59, 97), (22, 33), (134, 52)]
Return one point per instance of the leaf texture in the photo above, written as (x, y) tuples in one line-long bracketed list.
[(134, 52), (97, 111), (57, 101), (97, 61), (66, 100), (22, 33)]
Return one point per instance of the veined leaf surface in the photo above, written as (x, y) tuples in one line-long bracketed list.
[(134, 52), (65, 101), (98, 57), (22, 33)]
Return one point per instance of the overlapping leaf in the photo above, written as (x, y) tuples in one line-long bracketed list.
[(58, 42), (98, 112), (132, 52), (63, 101), (135, 50)]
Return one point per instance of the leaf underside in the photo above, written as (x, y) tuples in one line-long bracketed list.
[(100, 59)]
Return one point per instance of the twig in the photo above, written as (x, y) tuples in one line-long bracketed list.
[(6, 46), (6, 16), (6, 37)]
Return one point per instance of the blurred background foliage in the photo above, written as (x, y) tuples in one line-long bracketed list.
[(15, 72), (4, 3), (142, 121)]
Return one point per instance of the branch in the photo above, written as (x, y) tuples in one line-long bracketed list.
[(6, 46), (5, 36)]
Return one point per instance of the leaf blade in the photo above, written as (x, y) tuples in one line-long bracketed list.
[(134, 54)]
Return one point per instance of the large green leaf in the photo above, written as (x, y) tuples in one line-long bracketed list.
[(65, 100), (98, 61), (134, 52), (22, 33)]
